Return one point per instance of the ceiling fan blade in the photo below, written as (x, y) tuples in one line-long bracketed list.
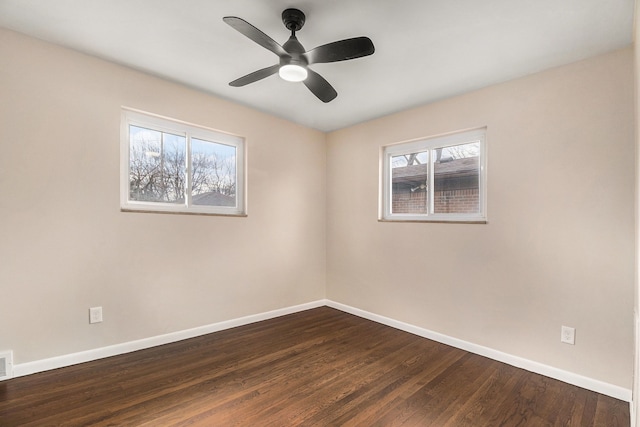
[(341, 50), (255, 34), (319, 86), (255, 76)]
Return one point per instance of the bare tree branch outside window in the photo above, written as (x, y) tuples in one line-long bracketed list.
[(158, 169)]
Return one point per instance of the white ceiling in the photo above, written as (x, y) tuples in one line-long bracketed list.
[(425, 49)]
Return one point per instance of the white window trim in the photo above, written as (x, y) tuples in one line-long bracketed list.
[(424, 144), (176, 127)]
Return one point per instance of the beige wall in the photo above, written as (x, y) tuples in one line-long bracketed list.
[(65, 246), (559, 243)]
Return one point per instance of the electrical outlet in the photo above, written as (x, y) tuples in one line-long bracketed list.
[(568, 335), (95, 315)]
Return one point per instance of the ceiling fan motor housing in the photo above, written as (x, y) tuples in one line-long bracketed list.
[(296, 53), (293, 19)]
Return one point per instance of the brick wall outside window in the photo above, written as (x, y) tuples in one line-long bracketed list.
[(456, 201), (406, 201), (448, 201)]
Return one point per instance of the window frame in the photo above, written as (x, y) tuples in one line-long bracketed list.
[(428, 144), (189, 131)]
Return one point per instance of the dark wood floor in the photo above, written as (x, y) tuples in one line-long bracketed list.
[(321, 367)]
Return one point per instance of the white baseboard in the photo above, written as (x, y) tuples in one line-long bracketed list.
[(519, 362), (127, 347), (114, 350)]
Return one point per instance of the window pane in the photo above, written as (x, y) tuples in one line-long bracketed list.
[(157, 166), (409, 183), (213, 167), (456, 173)]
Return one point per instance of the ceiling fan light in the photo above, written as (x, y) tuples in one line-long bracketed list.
[(293, 73)]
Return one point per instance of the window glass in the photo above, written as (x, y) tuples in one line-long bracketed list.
[(214, 173), (157, 171), (410, 179), (456, 177)]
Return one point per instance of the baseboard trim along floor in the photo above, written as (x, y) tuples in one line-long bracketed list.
[(519, 362)]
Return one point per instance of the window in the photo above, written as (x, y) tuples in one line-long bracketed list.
[(435, 179), (171, 166)]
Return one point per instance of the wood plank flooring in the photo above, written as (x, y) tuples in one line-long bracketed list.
[(321, 367)]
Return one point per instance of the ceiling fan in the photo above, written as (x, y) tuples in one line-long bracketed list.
[(294, 60)]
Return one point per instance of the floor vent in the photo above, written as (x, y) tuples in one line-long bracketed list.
[(6, 365)]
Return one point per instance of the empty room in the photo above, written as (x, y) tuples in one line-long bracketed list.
[(322, 213)]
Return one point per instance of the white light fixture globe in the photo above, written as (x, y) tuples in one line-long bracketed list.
[(293, 73)]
